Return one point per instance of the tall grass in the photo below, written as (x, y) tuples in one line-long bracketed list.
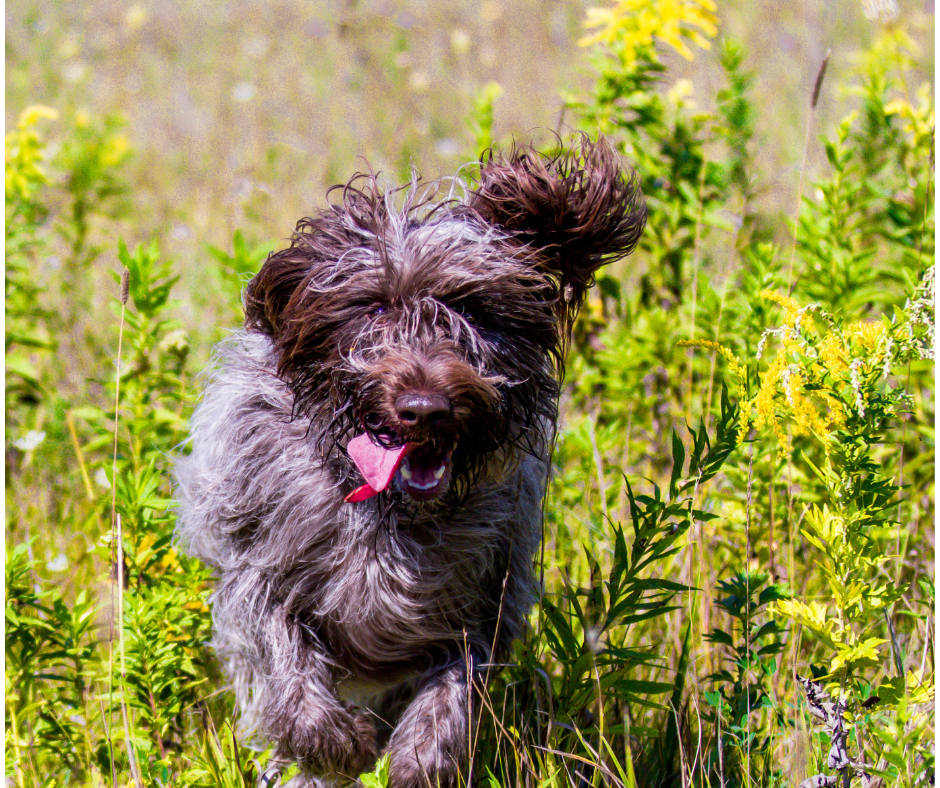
[(738, 568)]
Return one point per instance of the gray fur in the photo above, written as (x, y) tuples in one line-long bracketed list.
[(260, 506)]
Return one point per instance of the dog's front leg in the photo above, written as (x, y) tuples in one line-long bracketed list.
[(301, 710), (429, 745)]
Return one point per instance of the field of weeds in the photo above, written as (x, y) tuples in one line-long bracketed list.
[(739, 559)]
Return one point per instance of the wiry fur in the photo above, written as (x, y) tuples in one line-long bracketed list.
[(349, 627)]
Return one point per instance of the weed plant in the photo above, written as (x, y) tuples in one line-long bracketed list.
[(737, 565)]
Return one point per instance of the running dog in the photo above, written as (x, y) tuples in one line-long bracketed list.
[(370, 455)]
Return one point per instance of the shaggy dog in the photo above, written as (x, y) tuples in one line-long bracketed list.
[(370, 456)]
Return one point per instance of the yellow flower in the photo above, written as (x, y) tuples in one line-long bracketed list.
[(636, 23), (24, 154), (764, 403), (832, 354), (920, 119), (806, 383), (32, 115), (679, 92), (738, 369), (868, 335), (114, 150), (795, 316)]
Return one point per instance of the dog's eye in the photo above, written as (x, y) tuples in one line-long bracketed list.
[(374, 311), (466, 310)]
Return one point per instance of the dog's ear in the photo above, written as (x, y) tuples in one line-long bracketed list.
[(277, 300), (577, 211), (270, 293)]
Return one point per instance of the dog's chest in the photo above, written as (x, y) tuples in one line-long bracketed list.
[(391, 596), (418, 570)]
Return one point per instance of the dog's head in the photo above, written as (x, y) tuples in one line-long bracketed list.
[(421, 337)]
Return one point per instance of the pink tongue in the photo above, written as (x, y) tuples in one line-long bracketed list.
[(376, 464)]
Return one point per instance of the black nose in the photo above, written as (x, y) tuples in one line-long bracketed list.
[(422, 410)]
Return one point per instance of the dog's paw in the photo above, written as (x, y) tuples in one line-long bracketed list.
[(333, 742), (428, 747), (430, 768)]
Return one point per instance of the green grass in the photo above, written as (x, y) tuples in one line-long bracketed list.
[(743, 489)]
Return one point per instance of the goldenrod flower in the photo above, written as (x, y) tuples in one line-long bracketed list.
[(832, 355), (919, 118), (816, 381), (739, 370), (795, 316), (737, 367), (24, 153), (115, 150), (32, 115), (635, 23)]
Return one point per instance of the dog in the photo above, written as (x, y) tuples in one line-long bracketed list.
[(370, 454)]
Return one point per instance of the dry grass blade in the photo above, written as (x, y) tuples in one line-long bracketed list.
[(817, 87), (117, 563)]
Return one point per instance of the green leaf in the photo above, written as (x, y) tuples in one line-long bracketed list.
[(678, 460), (378, 777)]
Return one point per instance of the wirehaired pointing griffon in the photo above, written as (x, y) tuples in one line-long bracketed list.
[(370, 454)]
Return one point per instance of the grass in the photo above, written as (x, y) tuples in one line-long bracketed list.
[(743, 488)]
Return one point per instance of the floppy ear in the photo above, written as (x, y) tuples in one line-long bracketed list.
[(577, 211), (272, 289), (276, 299)]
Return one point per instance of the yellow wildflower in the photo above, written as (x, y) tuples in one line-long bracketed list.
[(869, 335), (170, 562), (744, 420), (806, 419), (636, 23), (32, 115), (921, 119), (24, 154), (764, 403), (737, 367), (837, 413), (795, 316), (805, 384), (832, 354), (114, 150)]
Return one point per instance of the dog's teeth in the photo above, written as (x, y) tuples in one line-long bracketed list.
[(439, 473), (405, 472)]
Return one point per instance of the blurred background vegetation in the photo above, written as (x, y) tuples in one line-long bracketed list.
[(241, 114), (744, 480)]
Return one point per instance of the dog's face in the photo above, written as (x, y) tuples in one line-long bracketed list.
[(422, 338)]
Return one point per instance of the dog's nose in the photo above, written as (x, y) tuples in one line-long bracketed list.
[(422, 410)]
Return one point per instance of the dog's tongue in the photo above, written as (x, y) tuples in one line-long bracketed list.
[(376, 464)]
